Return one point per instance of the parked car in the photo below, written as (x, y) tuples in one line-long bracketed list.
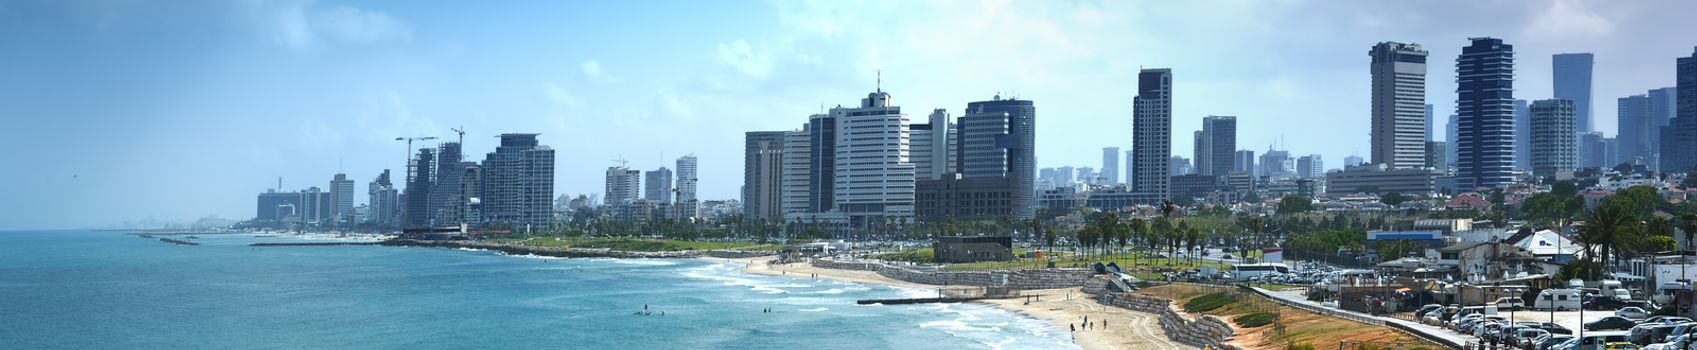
[(1632, 312), (1524, 336), (1677, 343), (1555, 328), (1552, 340), (1510, 303), (1608, 323)]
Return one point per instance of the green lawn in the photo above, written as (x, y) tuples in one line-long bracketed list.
[(632, 244)]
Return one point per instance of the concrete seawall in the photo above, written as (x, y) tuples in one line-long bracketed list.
[(1017, 279), (573, 252)]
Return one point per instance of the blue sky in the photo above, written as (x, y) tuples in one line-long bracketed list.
[(119, 110)]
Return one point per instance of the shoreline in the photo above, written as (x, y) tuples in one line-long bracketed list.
[(1062, 308)]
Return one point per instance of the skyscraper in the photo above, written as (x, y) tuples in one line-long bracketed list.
[(1594, 150), (1310, 166), (981, 154), (763, 156), (822, 160), (1245, 162), (417, 208), (1178, 165), (1130, 169), (931, 145), (1679, 138), (688, 205), (342, 197), (796, 175), (1111, 165), (657, 185), (1436, 156), (1633, 127), (874, 180), (1399, 101), (1216, 145), (1663, 108), (1522, 137), (624, 186), (1354, 160), (1553, 141), (518, 183), (1485, 103), (452, 191), (384, 201), (1277, 163), (1450, 139), (1429, 123), (1572, 74), (1152, 118)]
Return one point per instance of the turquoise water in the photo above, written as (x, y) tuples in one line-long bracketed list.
[(106, 290)]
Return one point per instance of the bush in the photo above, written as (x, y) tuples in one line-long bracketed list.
[(1255, 319), (1295, 346), (1208, 302)]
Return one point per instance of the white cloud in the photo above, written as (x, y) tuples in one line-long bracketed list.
[(303, 25), (591, 69), (674, 104), (558, 95), (1566, 19), (739, 55)]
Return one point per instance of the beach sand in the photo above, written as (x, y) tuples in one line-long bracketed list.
[(1126, 329)]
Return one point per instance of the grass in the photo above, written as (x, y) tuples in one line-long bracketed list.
[(632, 244), (923, 255), (1300, 327), (1128, 261), (1208, 302), (1253, 320)]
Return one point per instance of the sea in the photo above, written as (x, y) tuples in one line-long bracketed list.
[(109, 290)]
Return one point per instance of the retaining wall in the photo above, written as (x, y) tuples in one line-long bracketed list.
[(1200, 331), (1017, 279)]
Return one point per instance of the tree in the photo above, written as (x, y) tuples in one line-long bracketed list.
[(1564, 188), (1611, 229), (1294, 204), (1688, 223), (1393, 199)]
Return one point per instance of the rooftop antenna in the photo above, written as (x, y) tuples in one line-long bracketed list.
[(880, 85), (279, 184)]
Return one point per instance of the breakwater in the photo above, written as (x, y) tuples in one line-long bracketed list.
[(310, 244), (567, 252), (177, 241)]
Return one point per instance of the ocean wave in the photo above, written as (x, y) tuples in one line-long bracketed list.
[(645, 262), (730, 279), (821, 309), (959, 326), (534, 256), (827, 291), (471, 249)]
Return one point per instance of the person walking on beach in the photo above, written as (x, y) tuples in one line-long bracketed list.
[(1070, 328)]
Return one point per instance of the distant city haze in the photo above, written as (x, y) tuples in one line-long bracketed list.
[(115, 111)]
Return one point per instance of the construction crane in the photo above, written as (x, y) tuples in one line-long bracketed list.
[(461, 131), (411, 175), (621, 161)]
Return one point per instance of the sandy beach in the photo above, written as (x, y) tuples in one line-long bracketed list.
[(1064, 308)]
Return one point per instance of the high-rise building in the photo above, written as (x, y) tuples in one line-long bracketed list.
[(1633, 128), (1111, 165), (1663, 108), (1064, 176), (1553, 141), (518, 183), (1679, 138), (657, 185), (763, 157), (1179, 166), (624, 186), (796, 175), (1245, 162), (1485, 103), (417, 208), (1436, 152), (1277, 163), (1354, 160), (1522, 137), (342, 197), (688, 205), (454, 188), (1572, 81), (1087, 175), (1594, 150), (873, 179), (1399, 101), (1130, 178), (1310, 166), (1216, 145), (982, 154), (931, 146), (1450, 138), (1429, 123), (384, 201), (1152, 141)]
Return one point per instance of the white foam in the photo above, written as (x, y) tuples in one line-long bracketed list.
[(471, 249), (827, 291), (814, 309)]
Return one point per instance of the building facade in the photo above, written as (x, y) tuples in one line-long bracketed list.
[(1111, 165), (1485, 106), (1399, 104), (1553, 143), (1380, 179), (688, 205), (1572, 81), (1218, 146), (1018, 152), (1679, 138), (657, 185), (518, 184), (1152, 118)]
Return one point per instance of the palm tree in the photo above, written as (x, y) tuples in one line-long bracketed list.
[(1688, 223), (1611, 229)]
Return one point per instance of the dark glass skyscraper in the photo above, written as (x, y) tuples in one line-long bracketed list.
[(1679, 138), (999, 138), (1151, 135), (1572, 74), (1485, 105), (1399, 104)]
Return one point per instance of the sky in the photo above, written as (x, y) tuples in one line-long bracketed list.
[(126, 110)]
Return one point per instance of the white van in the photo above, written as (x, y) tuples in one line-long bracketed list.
[(1245, 272), (1557, 299), (1614, 289)]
